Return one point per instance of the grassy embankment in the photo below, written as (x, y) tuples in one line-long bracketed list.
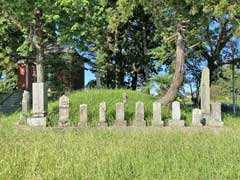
[(110, 153)]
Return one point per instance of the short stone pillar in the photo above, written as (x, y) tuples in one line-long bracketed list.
[(216, 115), (196, 117), (83, 116), (26, 107), (120, 115), (102, 114), (157, 118), (125, 98), (205, 94), (39, 105), (139, 114), (63, 111), (176, 115)]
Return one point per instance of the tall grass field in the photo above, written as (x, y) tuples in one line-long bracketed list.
[(117, 153)]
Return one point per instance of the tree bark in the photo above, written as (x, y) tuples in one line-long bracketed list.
[(177, 80), (38, 44)]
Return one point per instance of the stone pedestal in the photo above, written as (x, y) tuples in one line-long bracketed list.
[(26, 107), (196, 118), (139, 115), (63, 111), (120, 115), (157, 118), (176, 115), (39, 104)]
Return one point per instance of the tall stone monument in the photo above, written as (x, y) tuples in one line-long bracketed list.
[(176, 115), (63, 111), (157, 118), (26, 107), (102, 114), (205, 94), (120, 115), (39, 105), (139, 114)]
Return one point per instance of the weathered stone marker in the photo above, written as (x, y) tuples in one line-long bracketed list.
[(83, 115), (63, 111), (139, 114), (102, 114), (157, 119), (205, 94), (196, 117), (120, 116), (125, 98), (176, 115), (25, 107), (39, 105), (216, 115)]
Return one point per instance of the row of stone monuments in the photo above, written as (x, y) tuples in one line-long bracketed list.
[(120, 121), (209, 114)]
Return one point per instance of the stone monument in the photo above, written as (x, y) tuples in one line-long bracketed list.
[(139, 114), (205, 94), (157, 118), (216, 115), (83, 116), (26, 107), (176, 115), (39, 105), (102, 114), (196, 117), (63, 111), (120, 115)]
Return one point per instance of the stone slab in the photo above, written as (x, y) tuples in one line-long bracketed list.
[(37, 122)]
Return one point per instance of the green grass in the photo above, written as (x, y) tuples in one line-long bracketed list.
[(118, 153), (94, 97)]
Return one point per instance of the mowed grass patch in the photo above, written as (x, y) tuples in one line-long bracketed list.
[(125, 153)]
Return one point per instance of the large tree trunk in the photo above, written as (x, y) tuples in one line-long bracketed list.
[(38, 44), (177, 80)]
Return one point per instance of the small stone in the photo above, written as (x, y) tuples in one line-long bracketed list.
[(125, 98), (63, 111), (102, 114), (139, 114), (216, 115), (157, 119), (120, 115), (196, 117), (26, 107), (83, 116), (176, 115)]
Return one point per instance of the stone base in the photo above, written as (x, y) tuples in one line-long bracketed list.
[(37, 122), (175, 123), (60, 124), (196, 125), (158, 124), (102, 124), (83, 125), (139, 123), (120, 123), (213, 123)]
